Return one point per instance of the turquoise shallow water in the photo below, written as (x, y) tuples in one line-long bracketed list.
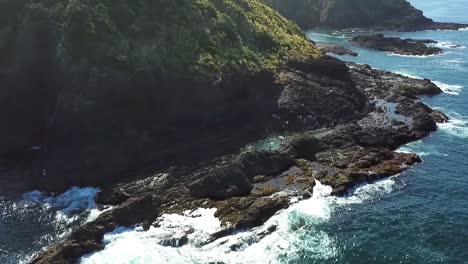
[(420, 216), (425, 218)]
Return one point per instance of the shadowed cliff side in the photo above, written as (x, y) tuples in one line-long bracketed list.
[(367, 14), (95, 90)]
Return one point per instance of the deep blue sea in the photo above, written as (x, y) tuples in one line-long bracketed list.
[(417, 217)]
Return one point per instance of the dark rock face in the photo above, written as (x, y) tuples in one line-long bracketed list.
[(346, 14), (232, 178), (221, 182), (396, 45), (318, 94)]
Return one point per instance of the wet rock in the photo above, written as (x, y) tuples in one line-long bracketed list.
[(335, 49), (174, 242), (396, 45), (439, 117), (303, 145), (255, 211)]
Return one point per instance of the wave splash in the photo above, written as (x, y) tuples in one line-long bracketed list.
[(291, 234), (68, 205), (452, 89), (457, 126)]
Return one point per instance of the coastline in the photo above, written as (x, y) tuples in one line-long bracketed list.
[(341, 157)]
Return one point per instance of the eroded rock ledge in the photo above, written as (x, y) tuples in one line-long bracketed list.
[(416, 47), (341, 124)]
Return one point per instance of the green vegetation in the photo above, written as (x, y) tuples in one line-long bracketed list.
[(341, 13), (199, 36)]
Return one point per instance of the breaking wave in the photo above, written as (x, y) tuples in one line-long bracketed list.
[(288, 236), (449, 88)]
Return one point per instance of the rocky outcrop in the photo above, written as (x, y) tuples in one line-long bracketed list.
[(88, 238), (396, 45), (364, 14), (335, 49), (249, 187)]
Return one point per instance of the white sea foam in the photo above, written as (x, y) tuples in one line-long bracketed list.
[(457, 126), (68, 205), (408, 75), (449, 88), (448, 45), (410, 56), (418, 147), (296, 233)]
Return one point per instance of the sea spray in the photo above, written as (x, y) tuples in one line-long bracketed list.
[(452, 89), (45, 218), (287, 236)]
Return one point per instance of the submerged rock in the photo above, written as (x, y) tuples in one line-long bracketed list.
[(396, 45)]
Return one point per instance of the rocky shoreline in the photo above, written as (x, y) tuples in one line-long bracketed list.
[(379, 111), (415, 47)]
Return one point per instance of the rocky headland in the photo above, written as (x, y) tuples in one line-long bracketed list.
[(370, 114), (155, 102), (416, 47), (376, 15)]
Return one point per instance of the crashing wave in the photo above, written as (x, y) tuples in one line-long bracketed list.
[(288, 235), (449, 88)]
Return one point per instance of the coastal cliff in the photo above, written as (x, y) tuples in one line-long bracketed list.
[(93, 92), (161, 105), (361, 14)]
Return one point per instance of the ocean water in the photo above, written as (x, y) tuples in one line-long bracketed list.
[(419, 216)]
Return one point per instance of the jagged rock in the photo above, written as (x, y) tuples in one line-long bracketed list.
[(439, 117), (396, 45), (256, 163), (220, 182)]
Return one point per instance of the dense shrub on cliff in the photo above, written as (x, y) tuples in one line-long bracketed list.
[(107, 87), (176, 35), (345, 13)]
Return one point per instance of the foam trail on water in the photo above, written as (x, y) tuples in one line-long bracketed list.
[(408, 75), (289, 235), (68, 205), (448, 45), (53, 216), (420, 148), (449, 88), (410, 56), (457, 126)]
